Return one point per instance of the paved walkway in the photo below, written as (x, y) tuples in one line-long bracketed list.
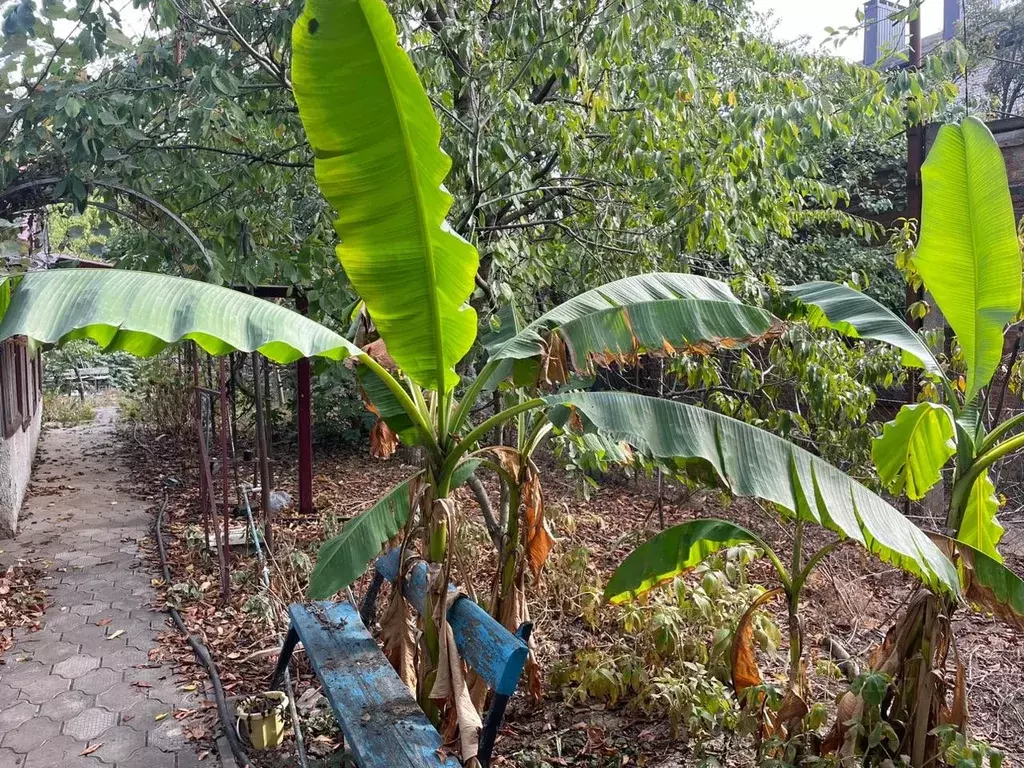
[(85, 683)]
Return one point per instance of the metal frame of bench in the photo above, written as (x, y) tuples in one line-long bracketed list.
[(495, 654)]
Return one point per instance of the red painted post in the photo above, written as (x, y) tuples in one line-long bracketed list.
[(304, 404)]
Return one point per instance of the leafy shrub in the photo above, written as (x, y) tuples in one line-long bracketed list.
[(66, 410), (161, 399), (668, 657), (84, 354)]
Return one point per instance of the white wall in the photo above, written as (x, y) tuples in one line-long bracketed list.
[(16, 455)]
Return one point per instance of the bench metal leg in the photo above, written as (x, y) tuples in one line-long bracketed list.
[(370, 601), (496, 714), (287, 650)]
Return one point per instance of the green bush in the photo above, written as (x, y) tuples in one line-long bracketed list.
[(66, 410)]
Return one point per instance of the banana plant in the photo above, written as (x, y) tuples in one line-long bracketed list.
[(378, 162), (969, 259)]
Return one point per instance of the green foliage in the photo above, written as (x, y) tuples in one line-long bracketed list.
[(671, 553), (160, 400), (968, 255), (343, 558), (378, 154), (754, 463), (62, 361), (913, 448), (669, 657), (66, 410)]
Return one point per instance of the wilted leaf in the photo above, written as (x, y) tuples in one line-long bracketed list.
[(397, 633), (745, 671), (536, 538)]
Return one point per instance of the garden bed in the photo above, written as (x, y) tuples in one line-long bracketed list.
[(579, 721)]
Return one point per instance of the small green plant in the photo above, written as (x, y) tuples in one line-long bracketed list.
[(66, 410), (669, 657)]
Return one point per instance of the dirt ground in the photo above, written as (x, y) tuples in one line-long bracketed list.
[(852, 599)]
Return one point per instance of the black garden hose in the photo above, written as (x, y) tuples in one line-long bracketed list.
[(202, 654)]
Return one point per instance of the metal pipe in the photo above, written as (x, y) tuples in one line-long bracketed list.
[(304, 404), (261, 452), (225, 483)]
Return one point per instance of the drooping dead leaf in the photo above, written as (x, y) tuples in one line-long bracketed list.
[(982, 595), (792, 710), (378, 350), (515, 611), (745, 672), (383, 440), (397, 633), (537, 541), (450, 684), (554, 369)]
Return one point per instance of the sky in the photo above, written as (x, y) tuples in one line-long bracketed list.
[(797, 18)]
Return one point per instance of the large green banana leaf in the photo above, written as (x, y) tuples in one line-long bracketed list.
[(343, 558), (142, 312), (672, 552), (646, 313), (979, 527), (754, 463), (968, 254), (858, 316), (914, 447), (378, 162)]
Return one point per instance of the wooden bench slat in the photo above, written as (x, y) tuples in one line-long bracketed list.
[(383, 724), (491, 651)]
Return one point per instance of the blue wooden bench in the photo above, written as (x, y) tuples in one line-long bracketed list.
[(383, 724)]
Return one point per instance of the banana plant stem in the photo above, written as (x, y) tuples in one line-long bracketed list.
[(474, 436)]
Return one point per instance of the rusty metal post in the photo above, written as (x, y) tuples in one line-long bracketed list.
[(225, 483), (203, 463), (261, 451), (304, 404), (915, 158)]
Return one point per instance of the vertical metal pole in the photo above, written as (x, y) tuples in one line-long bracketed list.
[(261, 451), (915, 159), (225, 483), (203, 470), (304, 404)]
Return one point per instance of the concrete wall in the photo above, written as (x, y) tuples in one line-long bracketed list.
[(16, 456)]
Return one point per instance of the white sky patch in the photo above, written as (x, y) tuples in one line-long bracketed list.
[(797, 19)]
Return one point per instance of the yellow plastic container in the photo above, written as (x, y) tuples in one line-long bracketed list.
[(262, 716)]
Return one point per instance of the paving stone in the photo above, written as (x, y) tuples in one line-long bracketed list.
[(31, 734), (168, 735), (76, 666), (122, 697), (13, 717), (143, 715), (120, 742), (9, 759), (90, 723), (124, 658), (59, 752), (98, 572), (66, 705), (46, 689), (97, 681), (148, 673), (63, 622), (90, 608), (189, 759), (24, 674), (51, 652), (150, 757)]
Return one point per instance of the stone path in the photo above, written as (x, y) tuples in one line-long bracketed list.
[(71, 686)]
